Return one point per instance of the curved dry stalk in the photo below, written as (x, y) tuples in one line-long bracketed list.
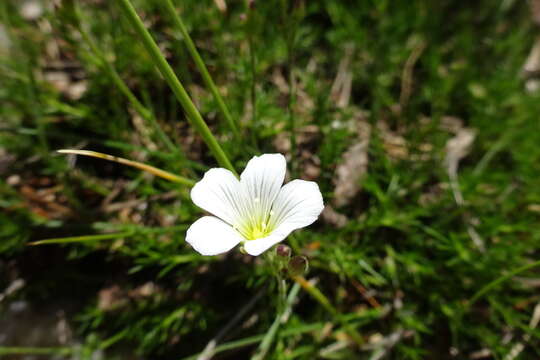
[(141, 166)]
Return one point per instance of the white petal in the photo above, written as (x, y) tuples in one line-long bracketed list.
[(257, 247), (298, 204), (261, 182), (218, 193), (211, 236)]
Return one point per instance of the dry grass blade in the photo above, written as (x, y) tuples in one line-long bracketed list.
[(520, 346), (407, 76), (457, 148), (148, 168)]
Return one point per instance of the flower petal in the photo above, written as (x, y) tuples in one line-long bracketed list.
[(261, 182), (211, 236), (219, 193), (298, 204), (257, 247)]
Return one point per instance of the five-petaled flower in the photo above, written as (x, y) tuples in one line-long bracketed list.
[(255, 211)]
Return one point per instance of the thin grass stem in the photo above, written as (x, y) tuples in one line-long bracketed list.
[(124, 89), (176, 86), (299, 330), (13, 350), (280, 318), (484, 290), (199, 62), (323, 300)]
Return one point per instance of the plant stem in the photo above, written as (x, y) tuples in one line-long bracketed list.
[(13, 350), (249, 31), (124, 89), (500, 280), (148, 168), (80, 239), (290, 108), (202, 67), (280, 318), (176, 86), (290, 22), (21, 51), (299, 330), (323, 300), (253, 88)]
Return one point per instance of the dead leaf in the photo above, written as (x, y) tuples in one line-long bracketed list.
[(535, 11), (458, 147), (395, 145), (31, 10), (353, 167), (221, 5), (340, 92), (407, 75), (451, 124), (111, 298), (6, 160), (332, 217), (532, 64)]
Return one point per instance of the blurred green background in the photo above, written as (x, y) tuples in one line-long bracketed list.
[(419, 120)]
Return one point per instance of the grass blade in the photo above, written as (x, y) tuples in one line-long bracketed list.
[(201, 66), (79, 239), (176, 86), (148, 168)]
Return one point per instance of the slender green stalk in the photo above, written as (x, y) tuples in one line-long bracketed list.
[(250, 30), (13, 350), (124, 89), (253, 87), (81, 239), (201, 66), (272, 331), (290, 108), (499, 281), (290, 20), (30, 84), (302, 329), (316, 294), (176, 86), (323, 300)]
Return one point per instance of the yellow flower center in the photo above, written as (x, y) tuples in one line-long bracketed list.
[(257, 232)]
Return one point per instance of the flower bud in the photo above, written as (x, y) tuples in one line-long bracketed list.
[(298, 266), (283, 251)]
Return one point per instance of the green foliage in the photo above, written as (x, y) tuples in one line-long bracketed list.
[(404, 266)]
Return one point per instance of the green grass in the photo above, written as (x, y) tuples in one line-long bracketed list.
[(407, 242)]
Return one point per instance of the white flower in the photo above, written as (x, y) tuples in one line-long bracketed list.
[(255, 211)]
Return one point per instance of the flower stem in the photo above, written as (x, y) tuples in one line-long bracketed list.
[(323, 300), (202, 67), (148, 168), (176, 86)]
